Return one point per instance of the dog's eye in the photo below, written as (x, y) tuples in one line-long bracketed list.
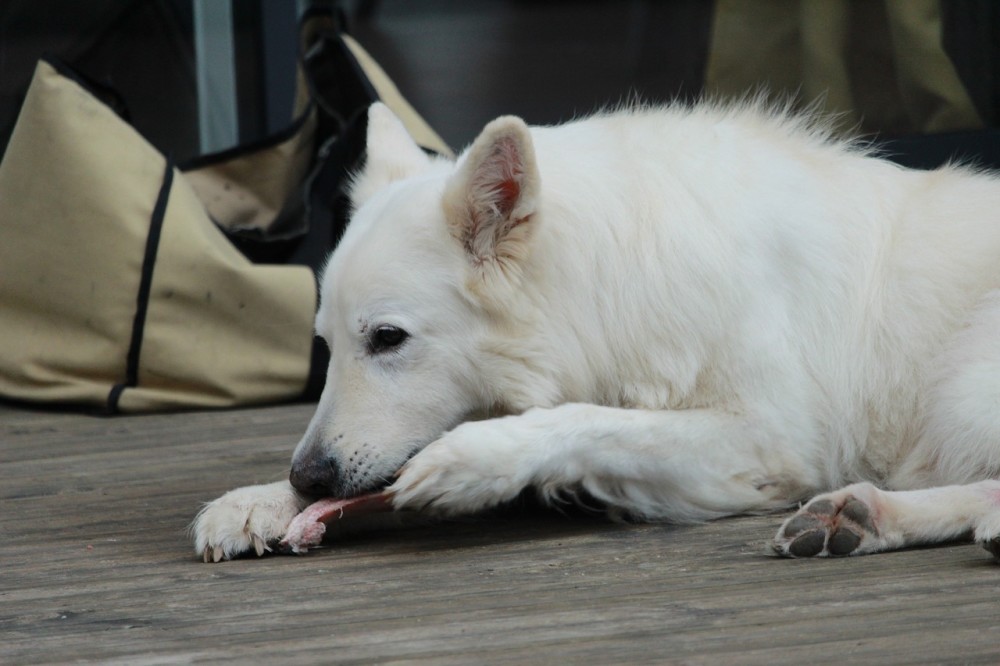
[(386, 338)]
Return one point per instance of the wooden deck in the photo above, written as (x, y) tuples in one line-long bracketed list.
[(95, 566)]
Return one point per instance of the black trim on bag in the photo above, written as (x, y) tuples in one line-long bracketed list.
[(102, 92), (239, 150), (314, 10), (145, 285)]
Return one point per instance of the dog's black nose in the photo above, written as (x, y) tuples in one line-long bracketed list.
[(315, 477)]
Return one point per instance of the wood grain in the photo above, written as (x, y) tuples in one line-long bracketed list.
[(95, 566)]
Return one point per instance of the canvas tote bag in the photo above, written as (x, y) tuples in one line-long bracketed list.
[(127, 283)]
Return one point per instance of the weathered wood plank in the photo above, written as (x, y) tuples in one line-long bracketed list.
[(96, 566)]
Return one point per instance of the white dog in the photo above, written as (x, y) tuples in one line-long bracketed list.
[(686, 313)]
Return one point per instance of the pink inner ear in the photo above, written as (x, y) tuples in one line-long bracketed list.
[(507, 189)]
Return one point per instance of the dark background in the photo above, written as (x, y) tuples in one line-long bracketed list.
[(460, 62)]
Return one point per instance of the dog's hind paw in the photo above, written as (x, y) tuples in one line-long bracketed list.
[(987, 534), (832, 525), (247, 519), (992, 545)]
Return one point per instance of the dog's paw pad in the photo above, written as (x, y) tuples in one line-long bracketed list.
[(237, 546), (843, 541), (857, 512), (807, 544), (825, 527), (822, 507)]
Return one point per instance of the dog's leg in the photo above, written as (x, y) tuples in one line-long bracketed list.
[(253, 517), (679, 465), (862, 519), (959, 443)]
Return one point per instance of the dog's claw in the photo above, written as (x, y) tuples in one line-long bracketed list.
[(212, 554), (258, 545)]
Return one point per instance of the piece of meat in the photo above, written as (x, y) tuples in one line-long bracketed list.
[(307, 529)]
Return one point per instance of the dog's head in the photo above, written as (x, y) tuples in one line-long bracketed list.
[(416, 302)]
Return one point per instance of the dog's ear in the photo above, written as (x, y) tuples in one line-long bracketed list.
[(392, 155), (490, 200)]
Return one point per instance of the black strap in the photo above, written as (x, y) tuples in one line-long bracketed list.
[(145, 285)]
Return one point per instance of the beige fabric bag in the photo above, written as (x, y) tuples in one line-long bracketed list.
[(118, 288)]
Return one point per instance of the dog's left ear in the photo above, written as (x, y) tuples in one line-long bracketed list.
[(391, 155), (490, 200)]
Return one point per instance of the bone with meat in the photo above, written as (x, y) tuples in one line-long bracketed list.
[(307, 529)]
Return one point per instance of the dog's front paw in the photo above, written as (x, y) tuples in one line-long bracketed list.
[(253, 517), (475, 466)]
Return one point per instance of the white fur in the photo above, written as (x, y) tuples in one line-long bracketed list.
[(685, 312), (245, 518)]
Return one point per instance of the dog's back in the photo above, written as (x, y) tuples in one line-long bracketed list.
[(739, 254)]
